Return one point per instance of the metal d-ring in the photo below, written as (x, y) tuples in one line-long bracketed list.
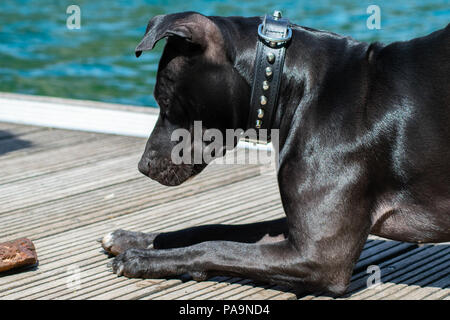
[(272, 39)]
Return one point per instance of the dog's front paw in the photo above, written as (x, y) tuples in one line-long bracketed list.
[(121, 240), (149, 264), (133, 263)]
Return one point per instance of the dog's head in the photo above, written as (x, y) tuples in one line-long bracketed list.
[(196, 81)]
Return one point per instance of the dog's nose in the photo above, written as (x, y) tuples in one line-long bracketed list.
[(143, 166)]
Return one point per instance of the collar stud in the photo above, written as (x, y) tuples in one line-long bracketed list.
[(277, 14)]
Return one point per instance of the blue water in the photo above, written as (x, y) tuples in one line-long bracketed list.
[(40, 55)]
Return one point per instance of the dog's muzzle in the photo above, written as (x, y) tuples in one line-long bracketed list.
[(166, 172)]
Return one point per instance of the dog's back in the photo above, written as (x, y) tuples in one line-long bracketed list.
[(419, 63)]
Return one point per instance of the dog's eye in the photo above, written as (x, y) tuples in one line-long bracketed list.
[(163, 103)]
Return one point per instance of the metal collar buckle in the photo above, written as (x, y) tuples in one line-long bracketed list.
[(261, 29)]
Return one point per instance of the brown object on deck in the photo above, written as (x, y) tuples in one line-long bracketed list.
[(17, 253)]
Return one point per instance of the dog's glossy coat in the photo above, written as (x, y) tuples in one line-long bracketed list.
[(364, 148)]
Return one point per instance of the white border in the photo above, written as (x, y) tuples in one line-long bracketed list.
[(73, 117)]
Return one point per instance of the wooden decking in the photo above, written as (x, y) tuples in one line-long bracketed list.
[(65, 189)]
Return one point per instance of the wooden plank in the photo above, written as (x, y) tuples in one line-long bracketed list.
[(131, 295), (37, 164), (154, 215), (383, 252), (45, 275), (92, 250), (202, 290), (141, 289), (42, 141), (65, 183), (162, 295), (420, 281), (92, 286), (58, 287), (422, 292), (11, 130), (372, 251), (392, 269), (397, 280), (100, 288), (159, 220), (81, 258), (121, 199), (189, 288), (244, 287), (438, 294), (267, 294)]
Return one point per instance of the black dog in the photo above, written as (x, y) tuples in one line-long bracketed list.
[(364, 149)]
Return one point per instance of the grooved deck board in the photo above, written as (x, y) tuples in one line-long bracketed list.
[(65, 189)]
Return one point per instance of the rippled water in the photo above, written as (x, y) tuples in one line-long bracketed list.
[(39, 55)]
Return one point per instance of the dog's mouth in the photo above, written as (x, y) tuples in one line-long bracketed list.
[(169, 174)]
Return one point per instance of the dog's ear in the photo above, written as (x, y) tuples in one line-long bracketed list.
[(186, 25)]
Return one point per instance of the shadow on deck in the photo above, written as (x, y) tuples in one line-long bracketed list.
[(12, 142)]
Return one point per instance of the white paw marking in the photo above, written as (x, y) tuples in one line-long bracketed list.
[(120, 270), (108, 240)]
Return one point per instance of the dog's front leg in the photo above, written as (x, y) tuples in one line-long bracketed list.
[(266, 231), (277, 262)]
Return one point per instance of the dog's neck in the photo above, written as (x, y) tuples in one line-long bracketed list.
[(312, 57)]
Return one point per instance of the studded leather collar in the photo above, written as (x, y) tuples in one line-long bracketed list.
[(273, 35)]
